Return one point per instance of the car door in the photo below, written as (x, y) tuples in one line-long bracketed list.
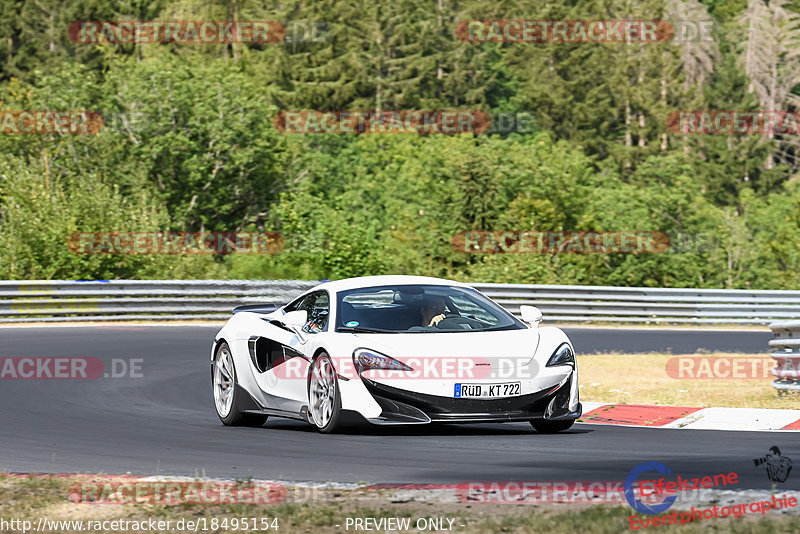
[(287, 372)]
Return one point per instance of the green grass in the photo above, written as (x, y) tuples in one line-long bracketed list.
[(32, 498), (643, 379)]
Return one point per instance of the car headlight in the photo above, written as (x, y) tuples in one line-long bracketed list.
[(563, 355), (366, 360)]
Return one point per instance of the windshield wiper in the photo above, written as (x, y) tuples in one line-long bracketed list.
[(364, 330)]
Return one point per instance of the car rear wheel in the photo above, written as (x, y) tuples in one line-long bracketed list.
[(324, 397), (551, 427), (227, 397)]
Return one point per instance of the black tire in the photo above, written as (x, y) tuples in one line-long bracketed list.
[(332, 422), (235, 416), (543, 426)]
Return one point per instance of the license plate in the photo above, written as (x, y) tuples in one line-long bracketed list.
[(474, 391)]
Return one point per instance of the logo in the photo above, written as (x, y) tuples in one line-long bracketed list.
[(778, 467), (630, 481)]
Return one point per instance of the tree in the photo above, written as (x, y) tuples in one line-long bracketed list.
[(771, 58)]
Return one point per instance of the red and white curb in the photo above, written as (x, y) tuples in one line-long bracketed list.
[(754, 419)]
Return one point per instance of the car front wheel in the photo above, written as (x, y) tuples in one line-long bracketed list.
[(324, 397)]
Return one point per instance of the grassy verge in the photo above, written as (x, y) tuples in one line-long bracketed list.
[(643, 379), (32, 498)]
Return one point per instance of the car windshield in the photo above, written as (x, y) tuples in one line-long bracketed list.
[(420, 308)]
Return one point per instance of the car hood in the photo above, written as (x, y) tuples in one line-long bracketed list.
[(479, 345)]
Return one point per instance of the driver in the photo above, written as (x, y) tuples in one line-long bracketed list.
[(432, 311)]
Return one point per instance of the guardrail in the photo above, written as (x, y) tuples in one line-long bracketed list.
[(786, 355), (648, 305), (65, 300)]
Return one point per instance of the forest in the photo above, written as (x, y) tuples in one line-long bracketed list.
[(580, 140)]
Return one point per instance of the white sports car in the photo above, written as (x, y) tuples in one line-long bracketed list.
[(393, 350)]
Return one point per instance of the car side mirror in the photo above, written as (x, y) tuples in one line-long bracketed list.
[(296, 319), (531, 315)]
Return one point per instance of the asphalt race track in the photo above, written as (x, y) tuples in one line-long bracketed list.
[(163, 422)]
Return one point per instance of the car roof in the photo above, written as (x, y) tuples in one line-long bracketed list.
[(370, 281)]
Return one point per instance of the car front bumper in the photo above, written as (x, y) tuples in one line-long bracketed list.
[(403, 407)]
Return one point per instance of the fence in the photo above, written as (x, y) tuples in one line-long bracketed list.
[(786, 355), (648, 305), (63, 300)]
